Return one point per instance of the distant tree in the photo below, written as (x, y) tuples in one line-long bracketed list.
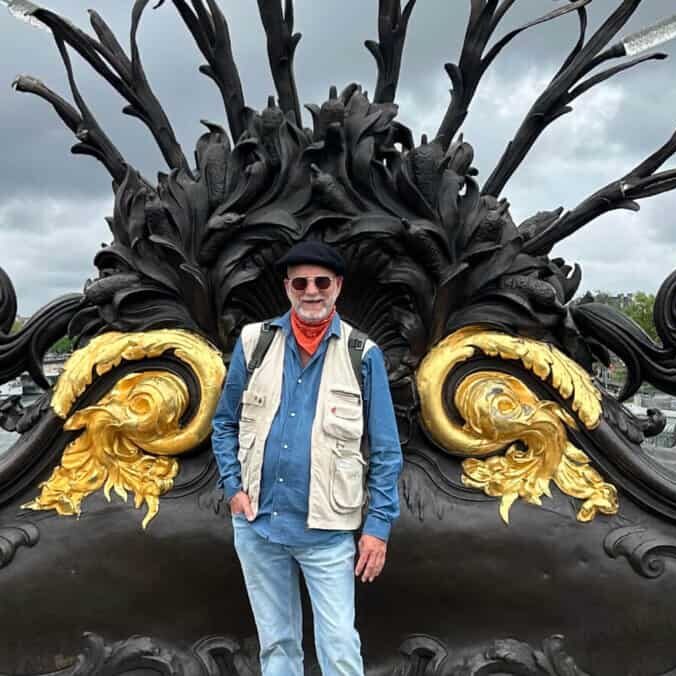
[(640, 309), (62, 346), (637, 306)]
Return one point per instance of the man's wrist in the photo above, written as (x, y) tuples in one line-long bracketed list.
[(377, 527), (231, 488)]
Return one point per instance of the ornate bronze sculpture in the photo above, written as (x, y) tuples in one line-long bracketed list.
[(490, 368)]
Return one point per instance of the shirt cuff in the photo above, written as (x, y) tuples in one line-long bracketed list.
[(231, 487), (377, 527)]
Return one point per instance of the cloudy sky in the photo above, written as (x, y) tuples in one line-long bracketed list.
[(53, 204)]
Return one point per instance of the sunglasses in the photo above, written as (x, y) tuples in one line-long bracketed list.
[(300, 283)]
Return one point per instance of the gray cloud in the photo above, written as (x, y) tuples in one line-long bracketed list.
[(52, 205), (48, 251)]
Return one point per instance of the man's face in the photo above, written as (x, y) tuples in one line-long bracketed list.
[(312, 303)]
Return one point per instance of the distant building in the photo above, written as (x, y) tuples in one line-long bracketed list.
[(620, 301)]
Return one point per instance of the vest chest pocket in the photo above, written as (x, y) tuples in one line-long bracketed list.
[(343, 416), (347, 482)]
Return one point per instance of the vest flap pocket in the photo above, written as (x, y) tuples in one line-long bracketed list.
[(347, 412), (345, 395), (343, 417), (347, 483), (253, 398), (247, 440), (348, 463)]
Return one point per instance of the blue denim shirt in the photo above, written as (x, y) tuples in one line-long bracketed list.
[(285, 481)]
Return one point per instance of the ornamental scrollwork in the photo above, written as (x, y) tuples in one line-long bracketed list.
[(429, 655), (14, 536), (130, 437), (647, 550), (210, 656), (499, 412)]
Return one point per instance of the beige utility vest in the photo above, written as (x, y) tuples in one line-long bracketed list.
[(337, 465)]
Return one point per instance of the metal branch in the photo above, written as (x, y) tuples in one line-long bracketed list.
[(500, 13), (148, 108), (112, 49), (90, 50), (583, 21), (554, 101), (209, 29), (485, 17), (89, 132), (92, 140), (639, 183), (392, 27), (579, 5), (109, 60), (282, 43), (68, 114), (610, 72), (617, 51)]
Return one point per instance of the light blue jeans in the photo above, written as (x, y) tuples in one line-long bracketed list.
[(271, 573)]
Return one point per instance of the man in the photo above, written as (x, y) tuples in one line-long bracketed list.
[(289, 447)]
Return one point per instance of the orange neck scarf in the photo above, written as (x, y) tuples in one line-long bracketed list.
[(308, 336)]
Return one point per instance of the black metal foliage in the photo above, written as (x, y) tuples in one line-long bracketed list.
[(645, 359), (428, 655), (429, 249), (210, 656), (25, 349), (222, 656)]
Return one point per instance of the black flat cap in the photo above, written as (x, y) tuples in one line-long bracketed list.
[(312, 253)]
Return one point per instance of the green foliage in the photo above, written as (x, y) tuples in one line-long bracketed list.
[(637, 306), (62, 346), (640, 309)]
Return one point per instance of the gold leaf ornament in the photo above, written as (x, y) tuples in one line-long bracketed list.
[(130, 436), (500, 413)]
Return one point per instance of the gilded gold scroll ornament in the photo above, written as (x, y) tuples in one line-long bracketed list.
[(130, 436), (501, 413)]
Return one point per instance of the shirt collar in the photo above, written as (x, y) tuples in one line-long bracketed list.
[(284, 323)]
